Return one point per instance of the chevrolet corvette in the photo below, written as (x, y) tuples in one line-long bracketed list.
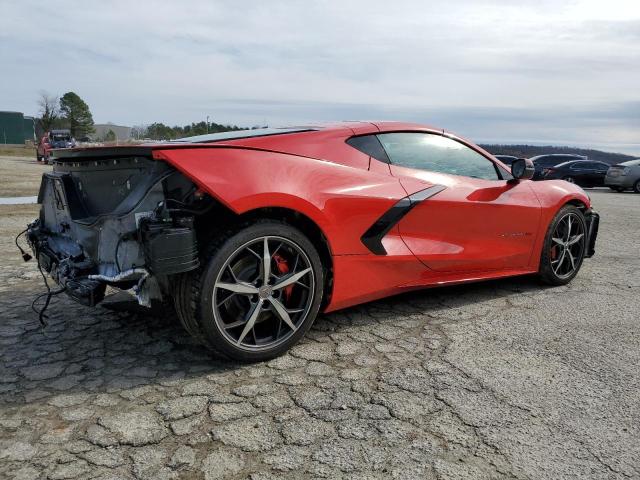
[(250, 234)]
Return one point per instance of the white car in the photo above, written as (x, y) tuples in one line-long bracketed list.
[(624, 176)]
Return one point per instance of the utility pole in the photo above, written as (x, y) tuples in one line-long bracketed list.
[(207, 123)]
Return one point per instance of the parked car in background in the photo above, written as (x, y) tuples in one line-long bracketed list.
[(53, 139), (623, 176), (543, 162), (506, 159), (586, 173)]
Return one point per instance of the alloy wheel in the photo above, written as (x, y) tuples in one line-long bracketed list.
[(263, 293), (567, 245)]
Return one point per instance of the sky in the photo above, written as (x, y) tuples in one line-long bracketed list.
[(521, 71)]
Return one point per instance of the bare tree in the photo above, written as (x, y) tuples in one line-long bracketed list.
[(49, 109), (139, 132)]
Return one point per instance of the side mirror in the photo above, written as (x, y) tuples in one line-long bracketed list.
[(522, 169)]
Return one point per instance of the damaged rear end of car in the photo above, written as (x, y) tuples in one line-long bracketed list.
[(116, 217)]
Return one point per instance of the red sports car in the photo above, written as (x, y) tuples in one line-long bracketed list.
[(252, 233)]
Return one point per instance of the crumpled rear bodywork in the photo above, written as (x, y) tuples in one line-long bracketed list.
[(94, 220)]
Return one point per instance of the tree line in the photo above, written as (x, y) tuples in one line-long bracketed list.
[(71, 112), (160, 131), (528, 151)]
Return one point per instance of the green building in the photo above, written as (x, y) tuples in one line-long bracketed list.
[(15, 128), (29, 125)]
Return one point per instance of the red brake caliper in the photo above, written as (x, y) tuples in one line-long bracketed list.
[(283, 267)]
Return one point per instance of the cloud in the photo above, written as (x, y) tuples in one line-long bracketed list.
[(501, 69)]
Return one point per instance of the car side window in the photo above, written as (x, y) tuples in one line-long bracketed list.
[(369, 145), (435, 153)]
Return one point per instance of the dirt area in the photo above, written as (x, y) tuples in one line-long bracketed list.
[(497, 380), (20, 177), (13, 219), (29, 152)]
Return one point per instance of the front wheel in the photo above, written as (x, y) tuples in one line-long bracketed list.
[(257, 294), (564, 247), (636, 187)]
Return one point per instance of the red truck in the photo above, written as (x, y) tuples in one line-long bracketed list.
[(53, 139)]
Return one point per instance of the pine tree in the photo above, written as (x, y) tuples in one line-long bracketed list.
[(76, 112), (110, 136)]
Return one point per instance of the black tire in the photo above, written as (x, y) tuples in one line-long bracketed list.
[(193, 292), (546, 271), (636, 186), (569, 179)]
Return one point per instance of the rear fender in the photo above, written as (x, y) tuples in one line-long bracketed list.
[(343, 201)]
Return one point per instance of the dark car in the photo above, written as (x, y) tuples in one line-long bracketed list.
[(586, 173), (543, 162), (506, 159)]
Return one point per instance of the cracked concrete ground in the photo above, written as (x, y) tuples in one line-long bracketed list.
[(506, 379)]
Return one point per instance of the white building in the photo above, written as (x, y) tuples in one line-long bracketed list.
[(102, 129)]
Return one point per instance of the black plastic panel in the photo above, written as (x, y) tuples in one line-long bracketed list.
[(593, 222), (372, 238)]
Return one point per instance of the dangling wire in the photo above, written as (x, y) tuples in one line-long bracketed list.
[(25, 256), (49, 294)]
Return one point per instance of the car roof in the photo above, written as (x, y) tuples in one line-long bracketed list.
[(551, 156), (347, 127), (321, 141), (571, 162), (631, 163), (239, 134)]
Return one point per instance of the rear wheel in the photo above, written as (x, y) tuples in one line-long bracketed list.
[(569, 179), (257, 294), (564, 246)]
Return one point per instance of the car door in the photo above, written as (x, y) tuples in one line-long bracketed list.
[(477, 220), (599, 173), (580, 172)]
